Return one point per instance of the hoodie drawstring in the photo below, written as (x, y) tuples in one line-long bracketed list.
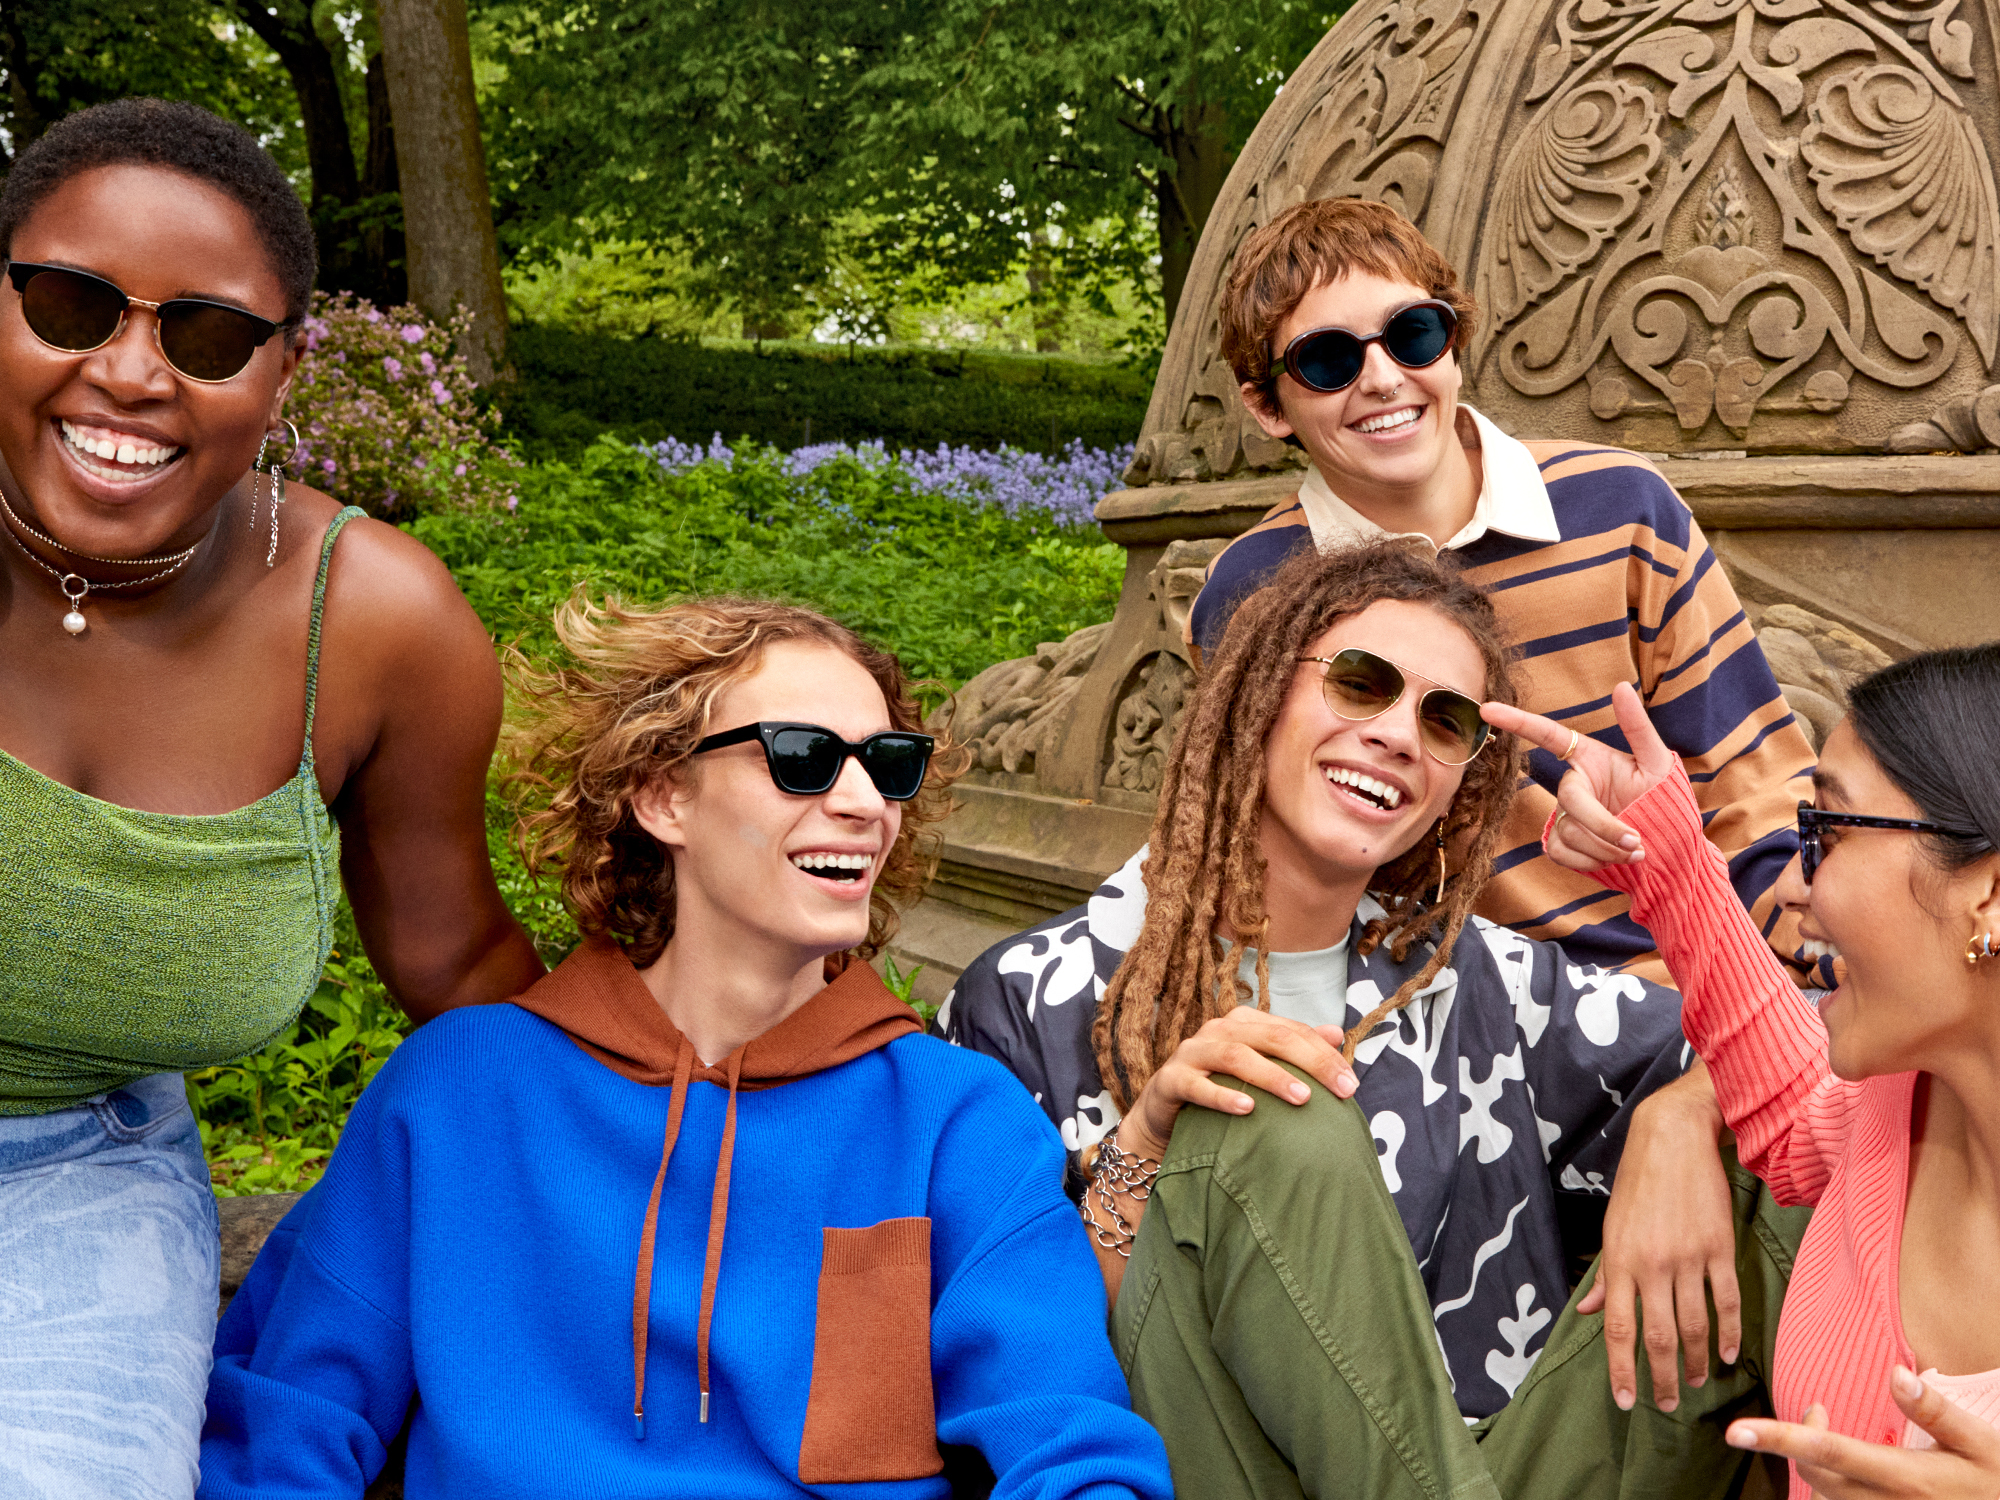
[(718, 1219), (642, 1289)]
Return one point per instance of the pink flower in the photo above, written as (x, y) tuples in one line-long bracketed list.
[(513, 503), (459, 472), (430, 365), (328, 465), (438, 393), (393, 365), (373, 315), (413, 333)]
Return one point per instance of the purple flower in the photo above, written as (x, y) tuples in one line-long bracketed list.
[(328, 465), (439, 393), (393, 365), (430, 365), (459, 472), (413, 333), (513, 503), (373, 315)]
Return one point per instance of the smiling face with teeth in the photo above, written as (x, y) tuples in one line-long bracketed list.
[(1388, 444), (1341, 797), (780, 881), (1907, 1001), (112, 451)]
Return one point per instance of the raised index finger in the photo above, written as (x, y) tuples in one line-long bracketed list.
[(1547, 733)]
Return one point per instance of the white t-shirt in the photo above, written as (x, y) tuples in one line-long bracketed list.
[(1309, 987)]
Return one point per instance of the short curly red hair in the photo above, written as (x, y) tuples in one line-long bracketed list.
[(1308, 245)]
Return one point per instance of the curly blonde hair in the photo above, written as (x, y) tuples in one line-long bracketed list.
[(624, 713), (1204, 865)]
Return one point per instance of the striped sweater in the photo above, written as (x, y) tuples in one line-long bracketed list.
[(1627, 591), (1814, 1138)]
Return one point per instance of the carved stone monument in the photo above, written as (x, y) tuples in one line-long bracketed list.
[(1756, 239)]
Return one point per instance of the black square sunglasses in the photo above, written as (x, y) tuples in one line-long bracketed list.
[(805, 759), (76, 312), (1812, 820), (1330, 359)]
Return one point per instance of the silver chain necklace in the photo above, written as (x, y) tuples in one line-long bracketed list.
[(120, 562), (75, 587)]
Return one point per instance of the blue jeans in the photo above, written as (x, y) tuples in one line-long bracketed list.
[(109, 1257)]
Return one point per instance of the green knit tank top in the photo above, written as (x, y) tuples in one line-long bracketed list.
[(136, 942)]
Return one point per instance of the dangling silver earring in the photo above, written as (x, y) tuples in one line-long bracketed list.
[(256, 472), (276, 469)]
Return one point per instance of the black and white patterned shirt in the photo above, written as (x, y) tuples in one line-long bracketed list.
[(1511, 1077)]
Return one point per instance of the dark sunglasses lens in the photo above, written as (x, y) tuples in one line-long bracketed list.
[(1451, 726), (1418, 336), (71, 312), (1360, 685), (1328, 361), (804, 762), (895, 763), (1808, 843), (207, 343)]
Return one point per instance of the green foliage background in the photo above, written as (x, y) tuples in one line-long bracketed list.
[(950, 587), (573, 387)]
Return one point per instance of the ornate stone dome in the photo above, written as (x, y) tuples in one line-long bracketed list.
[(1758, 226)]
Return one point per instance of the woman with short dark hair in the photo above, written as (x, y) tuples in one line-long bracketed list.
[(209, 717)]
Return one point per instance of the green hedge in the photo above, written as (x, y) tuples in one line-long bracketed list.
[(572, 388)]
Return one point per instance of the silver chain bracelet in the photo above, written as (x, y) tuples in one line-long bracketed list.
[(1111, 1174)]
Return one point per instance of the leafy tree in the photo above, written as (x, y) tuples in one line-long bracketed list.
[(951, 140), (59, 56), (286, 70)]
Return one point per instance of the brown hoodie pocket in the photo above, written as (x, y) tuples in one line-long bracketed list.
[(870, 1415)]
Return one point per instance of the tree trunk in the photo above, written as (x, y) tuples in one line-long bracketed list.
[(1198, 142), (454, 260), (382, 235), (329, 152)]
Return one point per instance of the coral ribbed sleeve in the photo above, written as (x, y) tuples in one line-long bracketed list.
[(1763, 1041), (1814, 1138)]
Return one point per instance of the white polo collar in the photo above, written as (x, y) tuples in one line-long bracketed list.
[(1512, 498)]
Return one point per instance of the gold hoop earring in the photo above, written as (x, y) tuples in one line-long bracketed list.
[(1438, 899), (1979, 946)]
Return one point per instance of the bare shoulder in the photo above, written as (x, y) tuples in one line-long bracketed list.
[(388, 591)]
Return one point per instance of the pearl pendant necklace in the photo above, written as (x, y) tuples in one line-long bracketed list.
[(74, 621), (76, 588)]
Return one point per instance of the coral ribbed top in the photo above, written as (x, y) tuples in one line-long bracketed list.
[(1814, 1138)]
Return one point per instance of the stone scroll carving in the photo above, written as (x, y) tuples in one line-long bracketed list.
[(1815, 662), (1815, 138), (1143, 729), (1965, 424), (1010, 713), (1760, 224)]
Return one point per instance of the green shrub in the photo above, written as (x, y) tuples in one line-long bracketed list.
[(571, 388), (386, 415), (949, 586)]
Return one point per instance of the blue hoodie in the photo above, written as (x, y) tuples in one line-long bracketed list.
[(580, 1264)]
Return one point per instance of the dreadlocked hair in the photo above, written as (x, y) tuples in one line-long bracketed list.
[(1205, 868), (623, 713)]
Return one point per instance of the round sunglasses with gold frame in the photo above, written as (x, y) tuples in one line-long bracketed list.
[(75, 312)]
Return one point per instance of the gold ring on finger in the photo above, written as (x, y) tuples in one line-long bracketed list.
[(1574, 739), (1558, 824)]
